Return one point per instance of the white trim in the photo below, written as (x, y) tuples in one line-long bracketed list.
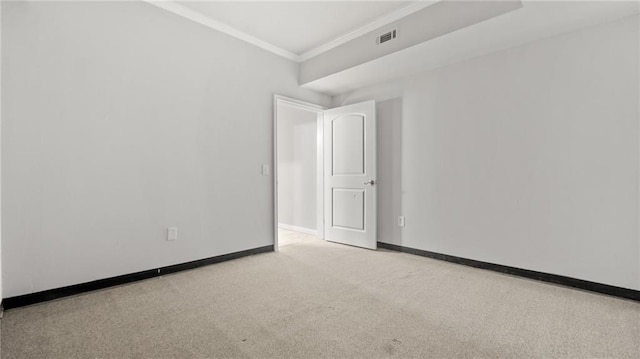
[(198, 17), (320, 172), (287, 101), (279, 99), (386, 20), (274, 166), (289, 227), (217, 25)]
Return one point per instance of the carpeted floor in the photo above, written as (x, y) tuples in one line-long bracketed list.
[(315, 299)]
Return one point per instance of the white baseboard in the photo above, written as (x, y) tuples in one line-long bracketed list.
[(289, 227)]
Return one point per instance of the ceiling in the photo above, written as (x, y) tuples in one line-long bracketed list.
[(537, 19), (300, 30), (296, 26), (297, 30)]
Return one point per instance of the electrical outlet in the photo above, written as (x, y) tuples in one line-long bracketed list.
[(172, 233), (400, 221), (265, 170)]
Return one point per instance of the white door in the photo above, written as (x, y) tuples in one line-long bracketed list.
[(350, 174)]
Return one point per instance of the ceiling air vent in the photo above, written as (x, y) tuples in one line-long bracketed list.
[(387, 36)]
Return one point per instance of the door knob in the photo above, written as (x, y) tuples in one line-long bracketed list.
[(370, 182)]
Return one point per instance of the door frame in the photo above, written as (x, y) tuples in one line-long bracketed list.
[(279, 99)]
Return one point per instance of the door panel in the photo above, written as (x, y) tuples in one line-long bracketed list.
[(348, 145), (348, 208), (350, 172)]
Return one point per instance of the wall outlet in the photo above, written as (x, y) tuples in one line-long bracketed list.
[(172, 233), (400, 221), (265, 170)]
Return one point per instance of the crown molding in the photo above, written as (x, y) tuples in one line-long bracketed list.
[(387, 19), (199, 18), (224, 28)]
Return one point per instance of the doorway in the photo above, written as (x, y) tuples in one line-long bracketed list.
[(298, 168), (337, 200)]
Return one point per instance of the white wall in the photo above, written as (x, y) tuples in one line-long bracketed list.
[(120, 120), (527, 157), (297, 167)]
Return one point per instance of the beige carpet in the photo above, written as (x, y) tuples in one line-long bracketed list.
[(322, 300)]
